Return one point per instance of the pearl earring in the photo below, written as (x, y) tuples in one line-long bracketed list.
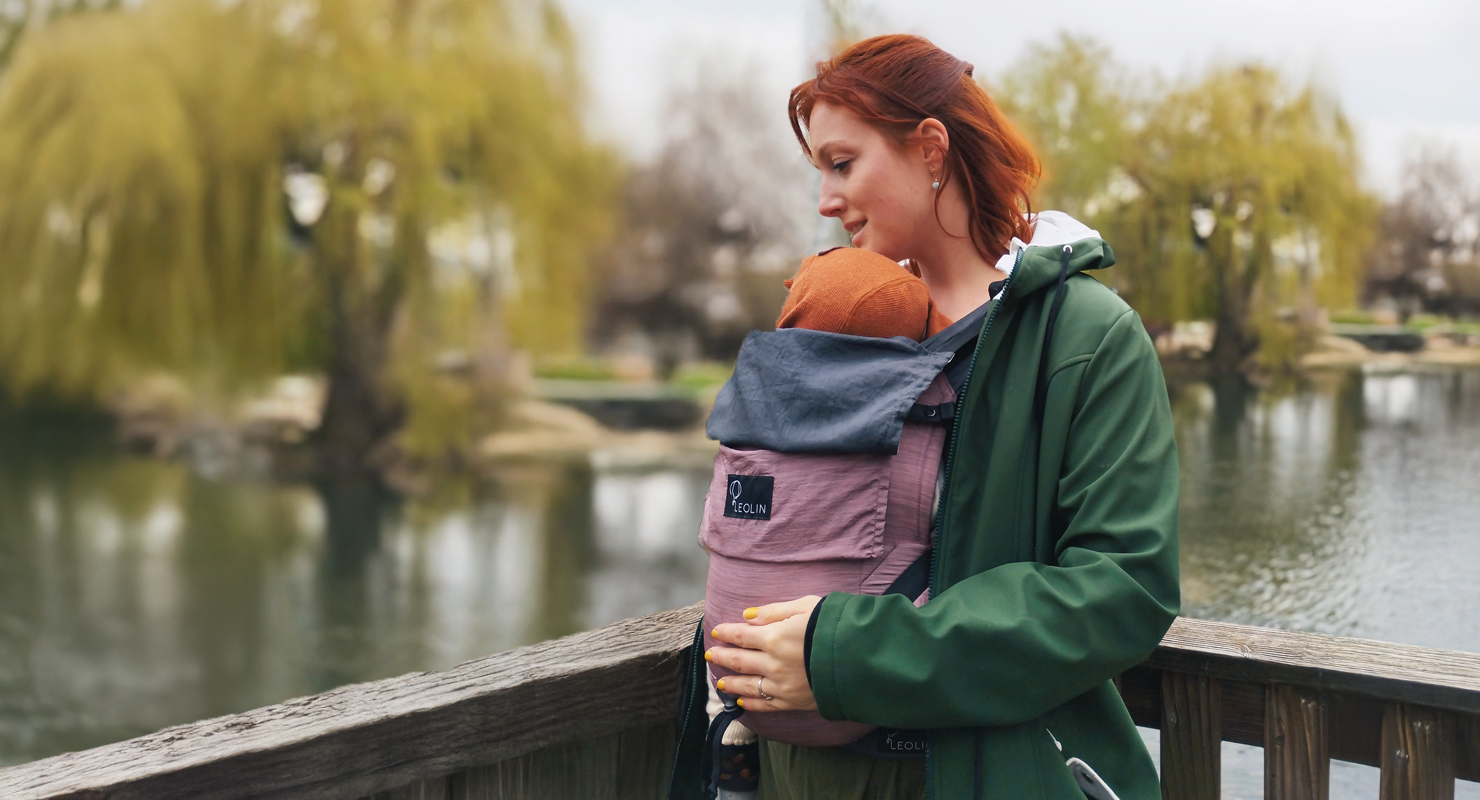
[(935, 186)]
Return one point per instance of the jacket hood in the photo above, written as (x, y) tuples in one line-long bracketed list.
[(1042, 258)]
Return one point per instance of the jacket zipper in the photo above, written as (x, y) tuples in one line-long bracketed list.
[(946, 476)]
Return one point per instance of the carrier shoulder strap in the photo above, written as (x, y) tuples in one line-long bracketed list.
[(915, 579)]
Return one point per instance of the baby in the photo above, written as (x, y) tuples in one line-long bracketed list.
[(857, 292)]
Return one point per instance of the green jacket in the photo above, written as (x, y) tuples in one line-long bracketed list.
[(1056, 561)]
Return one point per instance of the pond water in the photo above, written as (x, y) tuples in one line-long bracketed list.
[(137, 594)]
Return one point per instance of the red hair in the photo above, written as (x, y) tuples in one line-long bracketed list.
[(895, 82)]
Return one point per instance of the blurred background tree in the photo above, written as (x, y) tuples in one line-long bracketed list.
[(387, 191), (1080, 110), (17, 17), (1230, 195), (1427, 257), (710, 227)]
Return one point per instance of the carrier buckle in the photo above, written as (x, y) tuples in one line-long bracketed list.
[(944, 412)]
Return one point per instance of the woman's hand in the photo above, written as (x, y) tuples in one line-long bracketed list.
[(770, 645)]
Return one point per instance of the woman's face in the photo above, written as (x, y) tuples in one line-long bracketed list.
[(878, 188)]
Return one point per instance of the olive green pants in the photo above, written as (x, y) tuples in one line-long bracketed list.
[(790, 772)]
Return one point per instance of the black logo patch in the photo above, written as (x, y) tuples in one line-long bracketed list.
[(897, 742), (749, 496)]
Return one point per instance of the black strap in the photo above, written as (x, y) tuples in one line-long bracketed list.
[(1040, 395), (713, 741), (687, 780), (939, 413), (914, 580)]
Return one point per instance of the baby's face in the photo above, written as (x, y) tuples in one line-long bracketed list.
[(878, 188)]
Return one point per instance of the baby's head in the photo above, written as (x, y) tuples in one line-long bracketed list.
[(858, 292)]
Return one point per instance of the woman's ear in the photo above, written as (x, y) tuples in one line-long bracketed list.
[(934, 143)]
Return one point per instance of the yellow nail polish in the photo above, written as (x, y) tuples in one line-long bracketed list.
[(720, 684), (707, 656), (740, 702), (752, 613), (714, 633)]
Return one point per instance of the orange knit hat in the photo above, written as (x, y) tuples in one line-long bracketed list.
[(859, 292)]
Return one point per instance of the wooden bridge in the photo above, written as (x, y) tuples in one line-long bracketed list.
[(591, 716)]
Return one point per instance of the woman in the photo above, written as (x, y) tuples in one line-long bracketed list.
[(1056, 549)]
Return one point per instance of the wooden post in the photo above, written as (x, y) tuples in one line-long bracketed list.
[(1417, 753), (1191, 737), (1297, 765)]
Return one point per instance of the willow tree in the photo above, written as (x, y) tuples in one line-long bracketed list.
[(18, 17), (223, 190), (1079, 109), (1230, 195), (1247, 208)]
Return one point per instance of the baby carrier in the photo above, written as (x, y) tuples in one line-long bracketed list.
[(826, 480)]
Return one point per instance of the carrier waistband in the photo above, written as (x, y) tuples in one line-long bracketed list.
[(891, 743)]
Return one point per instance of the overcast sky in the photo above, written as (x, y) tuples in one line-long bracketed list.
[(1406, 72)]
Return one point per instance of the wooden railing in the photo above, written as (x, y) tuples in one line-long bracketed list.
[(591, 716), (1306, 699)]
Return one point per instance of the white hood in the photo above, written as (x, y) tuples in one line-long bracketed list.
[(1049, 228)]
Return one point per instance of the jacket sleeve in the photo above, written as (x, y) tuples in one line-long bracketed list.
[(1011, 643)]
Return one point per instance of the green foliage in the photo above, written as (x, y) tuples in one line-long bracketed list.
[(1078, 109), (1231, 195), (146, 154), (1350, 317), (17, 17), (700, 375), (576, 369)]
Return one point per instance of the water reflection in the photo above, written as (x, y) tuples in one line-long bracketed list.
[(137, 594), (1344, 504)]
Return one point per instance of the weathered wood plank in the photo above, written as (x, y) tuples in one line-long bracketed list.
[(586, 769), (1467, 747), (1191, 737), (645, 761), (1355, 732), (358, 740), (1419, 675), (1417, 754), (1140, 688), (1243, 712), (1297, 765), (1241, 706), (633, 764), (434, 789)]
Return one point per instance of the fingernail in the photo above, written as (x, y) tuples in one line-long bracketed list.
[(707, 656), (714, 633), (740, 702), (752, 613), (720, 684)]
